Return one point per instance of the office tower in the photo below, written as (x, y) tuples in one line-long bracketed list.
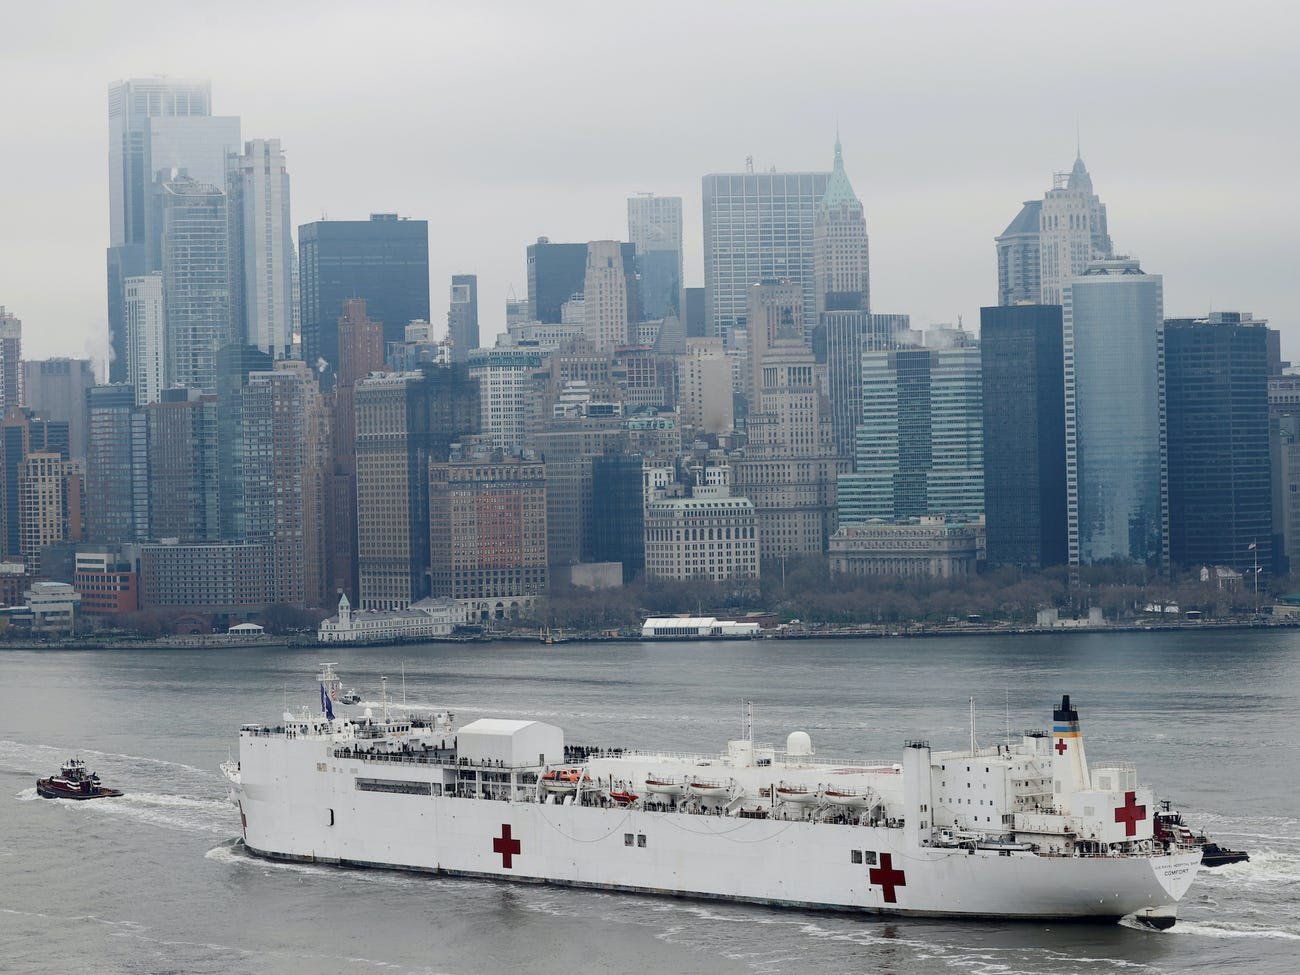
[(846, 335), (11, 361), (184, 500), (487, 531), (56, 388), (654, 227), (117, 469), (1116, 485), (841, 268), (462, 316), (383, 260), (1216, 401), (704, 387), (234, 364), (261, 248), (1284, 444), (1022, 364), (693, 301), (392, 460), (1071, 232), (774, 311), (286, 451), (757, 227), (155, 125), (505, 378), (605, 297), (146, 330), (617, 531), (1019, 275), (920, 441), (196, 281), (558, 272), (676, 529)]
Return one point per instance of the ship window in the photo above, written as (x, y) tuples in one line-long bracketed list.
[(640, 839), (627, 839), (869, 857), (855, 856)]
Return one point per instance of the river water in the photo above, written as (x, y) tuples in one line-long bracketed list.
[(153, 882)]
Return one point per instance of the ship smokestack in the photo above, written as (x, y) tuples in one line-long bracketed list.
[(1069, 762)]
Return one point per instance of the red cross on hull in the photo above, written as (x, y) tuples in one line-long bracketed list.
[(1060, 746), (507, 846), (1130, 814), (887, 877)]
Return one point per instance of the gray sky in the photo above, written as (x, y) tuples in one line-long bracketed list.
[(500, 122)]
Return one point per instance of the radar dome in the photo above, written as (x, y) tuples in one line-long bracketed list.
[(798, 744)]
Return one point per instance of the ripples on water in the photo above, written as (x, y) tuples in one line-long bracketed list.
[(154, 881)]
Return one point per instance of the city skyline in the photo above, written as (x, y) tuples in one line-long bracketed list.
[(938, 169)]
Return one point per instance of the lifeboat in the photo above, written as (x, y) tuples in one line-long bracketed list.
[(798, 794), (564, 780), (708, 789), (622, 796), (664, 787), (847, 798)]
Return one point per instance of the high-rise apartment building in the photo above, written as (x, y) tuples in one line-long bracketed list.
[(841, 265), (1220, 491), (21, 434), (606, 302), (183, 467), (462, 316), (1022, 365), (234, 365), (146, 330), (57, 388), (155, 125), (920, 441), (195, 280), (383, 260), (654, 226), (11, 361), (117, 467), (1071, 232), (44, 514), (261, 238), (757, 227), (1019, 274), (1116, 480)]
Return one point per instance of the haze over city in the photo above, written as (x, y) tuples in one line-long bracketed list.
[(502, 123)]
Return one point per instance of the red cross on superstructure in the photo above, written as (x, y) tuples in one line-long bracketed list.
[(506, 845), (1060, 746), (1130, 814), (887, 877)]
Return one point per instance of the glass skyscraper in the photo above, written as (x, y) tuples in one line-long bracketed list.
[(1116, 482), (654, 226)]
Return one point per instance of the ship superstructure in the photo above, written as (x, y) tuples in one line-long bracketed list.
[(1023, 829)]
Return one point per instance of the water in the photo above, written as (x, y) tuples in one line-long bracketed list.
[(153, 882)]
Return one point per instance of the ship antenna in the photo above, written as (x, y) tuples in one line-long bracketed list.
[(972, 726), (747, 730), (404, 707), (383, 696), (1007, 691)]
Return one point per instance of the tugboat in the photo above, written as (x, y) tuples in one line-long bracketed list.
[(74, 781), (1172, 831)]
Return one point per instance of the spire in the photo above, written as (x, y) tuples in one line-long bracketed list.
[(1079, 178), (838, 188)]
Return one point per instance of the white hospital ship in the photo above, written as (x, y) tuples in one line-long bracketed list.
[(1019, 830)]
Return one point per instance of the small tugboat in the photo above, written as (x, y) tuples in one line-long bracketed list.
[(74, 781), (1170, 829), (351, 697)]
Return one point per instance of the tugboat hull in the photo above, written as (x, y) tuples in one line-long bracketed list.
[(46, 790)]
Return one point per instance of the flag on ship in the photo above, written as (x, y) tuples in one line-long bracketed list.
[(325, 703)]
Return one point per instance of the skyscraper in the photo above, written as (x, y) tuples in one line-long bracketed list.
[(234, 364), (22, 434), (557, 272), (841, 266), (155, 125), (606, 299), (757, 227), (920, 442), (117, 489), (462, 316), (617, 531), (384, 260), (11, 361), (1022, 365), (196, 281), (1071, 232), (183, 483), (847, 334), (1018, 257), (57, 389), (654, 226), (1220, 496), (262, 248), (146, 330), (1116, 483)]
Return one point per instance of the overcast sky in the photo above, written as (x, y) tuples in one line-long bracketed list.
[(500, 122)]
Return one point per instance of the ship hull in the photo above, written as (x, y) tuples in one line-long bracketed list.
[(46, 790), (296, 806)]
